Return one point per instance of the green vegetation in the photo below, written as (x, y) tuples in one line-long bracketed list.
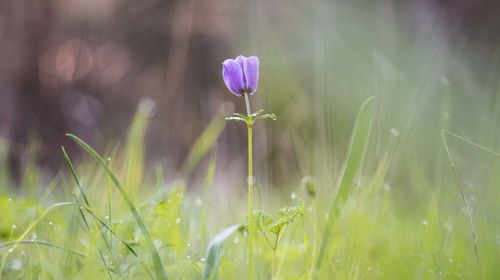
[(359, 231), (383, 164)]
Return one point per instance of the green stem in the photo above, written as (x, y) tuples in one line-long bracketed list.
[(250, 190)]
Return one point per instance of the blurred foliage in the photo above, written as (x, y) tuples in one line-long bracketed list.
[(403, 215)]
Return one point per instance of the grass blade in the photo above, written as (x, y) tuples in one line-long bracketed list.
[(215, 249), (351, 167), (158, 263), (460, 185), (203, 144)]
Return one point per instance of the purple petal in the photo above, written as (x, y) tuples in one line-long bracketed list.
[(241, 61), (251, 73), (232, 74)]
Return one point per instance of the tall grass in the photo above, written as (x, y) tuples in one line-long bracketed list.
[(380, 197), (159, 234)]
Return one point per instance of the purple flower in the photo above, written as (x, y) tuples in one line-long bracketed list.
[(241, 75)]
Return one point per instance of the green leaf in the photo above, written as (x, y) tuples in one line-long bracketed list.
[(262, 220), (266, 116), (288, 214), (215, 250), (256, 113), (352, 165)]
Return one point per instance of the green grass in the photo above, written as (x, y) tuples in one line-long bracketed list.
[(361, 231), (381, 198)]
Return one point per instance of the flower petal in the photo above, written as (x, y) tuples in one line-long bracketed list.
[(241, 61), (232, 74), (251, 73)]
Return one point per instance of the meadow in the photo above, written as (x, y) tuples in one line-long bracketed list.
[(382, 163)]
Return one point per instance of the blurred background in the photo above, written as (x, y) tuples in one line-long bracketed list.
[(84, 66)]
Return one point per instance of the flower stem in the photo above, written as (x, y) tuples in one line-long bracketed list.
[(250, 192), (247, 102)]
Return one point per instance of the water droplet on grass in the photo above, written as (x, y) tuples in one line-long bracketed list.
[(425, 223), (178, 220), (293, 196), (198, 202), (16, 264), (202, 259), (394, 132), (448, 227), (236, 240)]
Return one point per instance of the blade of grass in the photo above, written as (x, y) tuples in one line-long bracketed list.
[(51, 245), (82, 194), (203, 144), (460, 185), (134, 151), (214, 251), (158, 263), (351, 167)]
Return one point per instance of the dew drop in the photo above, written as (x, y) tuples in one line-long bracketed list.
[(424, 222), (236, 240), (394, 132), (448, 227), (198, 202), (202, 259), (16, 265), (293, 196), (178, 220)]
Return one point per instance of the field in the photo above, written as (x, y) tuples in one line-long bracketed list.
[(382, 163)]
